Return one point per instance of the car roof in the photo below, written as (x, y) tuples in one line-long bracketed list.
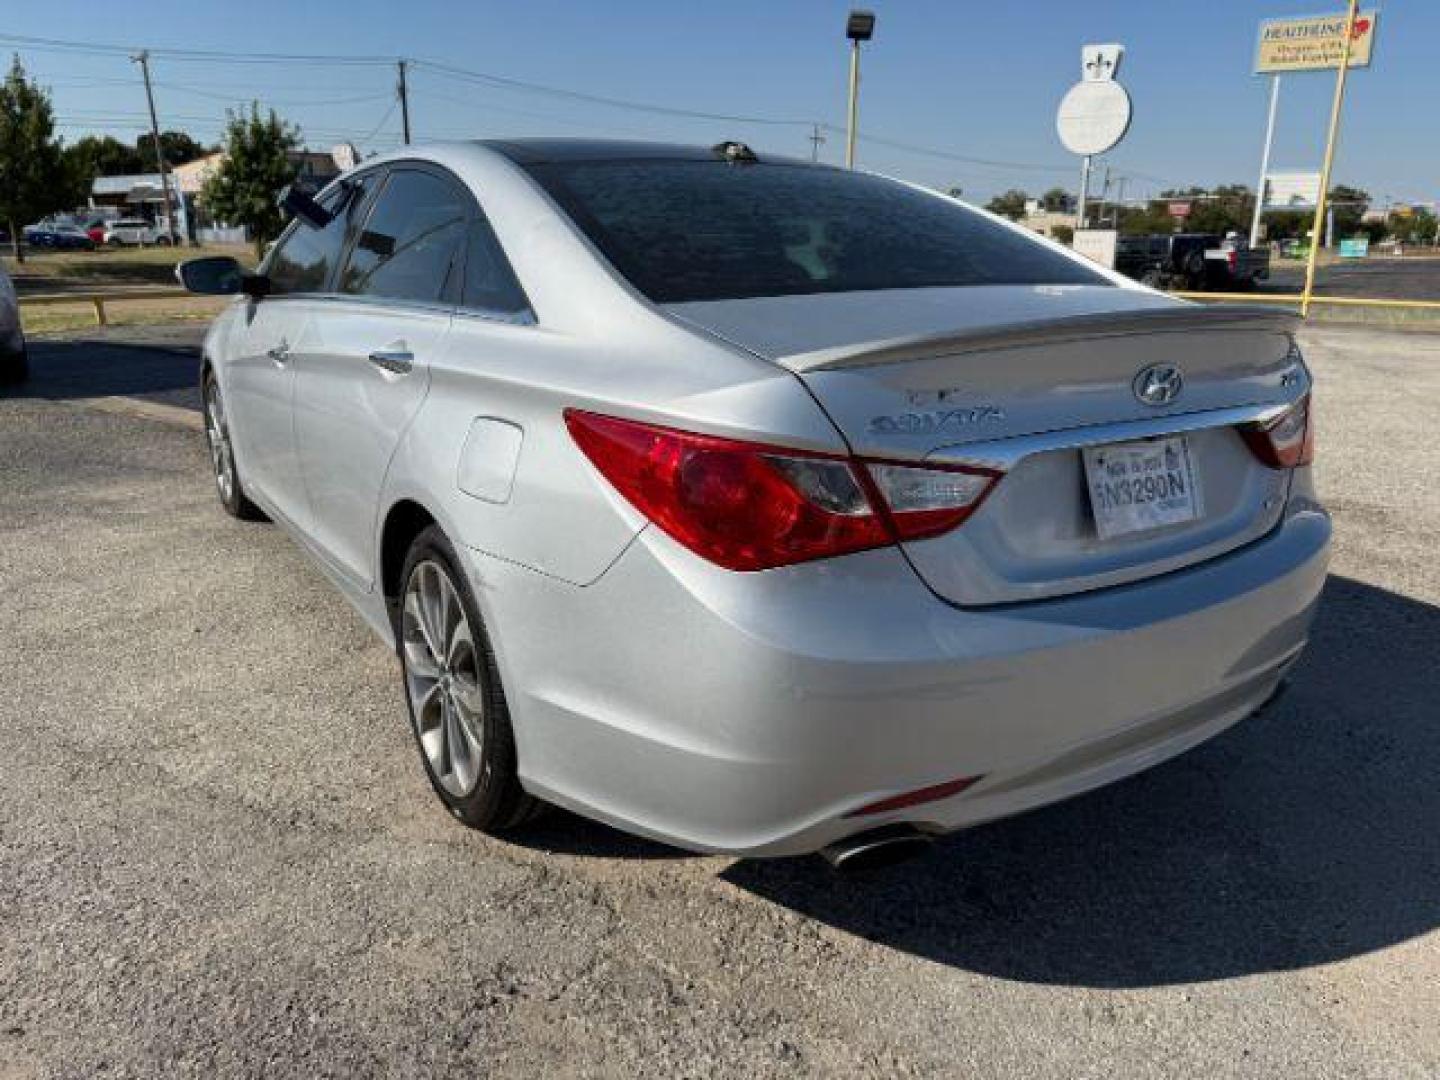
[(541, 151)]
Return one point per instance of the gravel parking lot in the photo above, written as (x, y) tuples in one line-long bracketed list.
[(218, 854)]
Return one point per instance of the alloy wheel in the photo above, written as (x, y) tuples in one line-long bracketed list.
[(442, 678), (217, 435)]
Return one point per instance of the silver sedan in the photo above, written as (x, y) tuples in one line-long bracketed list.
[(758, 506)]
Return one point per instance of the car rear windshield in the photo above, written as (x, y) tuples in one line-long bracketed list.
[(698, 230)]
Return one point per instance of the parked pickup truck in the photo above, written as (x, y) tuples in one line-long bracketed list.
[(1192, 261)]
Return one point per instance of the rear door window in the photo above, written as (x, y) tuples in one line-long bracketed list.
[(411, 244), (702, 230)]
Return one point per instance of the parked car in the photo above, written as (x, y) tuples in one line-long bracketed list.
[(133, 232), (1192, 261), (94, 227), (14, 361), (59, 236), (761, 506)]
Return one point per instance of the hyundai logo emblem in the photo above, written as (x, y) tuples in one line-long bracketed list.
[(1158, 384)]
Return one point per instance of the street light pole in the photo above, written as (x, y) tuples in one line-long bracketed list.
[(860, 26), (404, 92), (143, 59)]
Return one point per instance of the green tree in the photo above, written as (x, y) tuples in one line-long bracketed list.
[(1416, 227), (1056, 200), (245, 188), (1350, 204), (104, 155), (1154, 217), (1010, 204), (34, 180), (177, 146)]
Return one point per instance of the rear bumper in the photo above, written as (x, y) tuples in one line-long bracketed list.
[(750, 713)]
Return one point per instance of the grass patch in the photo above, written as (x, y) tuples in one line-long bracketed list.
[(81, 316), (112, 266)]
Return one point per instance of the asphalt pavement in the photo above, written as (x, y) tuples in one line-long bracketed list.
[(1415, 277), (219, 856)]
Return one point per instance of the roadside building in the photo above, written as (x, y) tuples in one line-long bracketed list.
[(1045, 222), (141, 195)]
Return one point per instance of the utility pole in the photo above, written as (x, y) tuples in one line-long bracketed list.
[(143, 59), (815, 140), (404, 102)]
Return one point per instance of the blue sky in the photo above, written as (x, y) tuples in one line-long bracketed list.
[(969, 78)]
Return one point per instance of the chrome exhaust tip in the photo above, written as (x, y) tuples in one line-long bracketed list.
[(876, 850)]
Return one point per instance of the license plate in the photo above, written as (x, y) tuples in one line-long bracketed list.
[(1139, 486)]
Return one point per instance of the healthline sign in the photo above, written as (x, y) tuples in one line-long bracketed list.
[(1314, 43)]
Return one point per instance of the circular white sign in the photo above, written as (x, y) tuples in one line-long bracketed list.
[(1093, 117)]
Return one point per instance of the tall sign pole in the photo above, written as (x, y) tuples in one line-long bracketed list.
[(1323, 195), (1094, 114), (1265, 161), (143, 59)]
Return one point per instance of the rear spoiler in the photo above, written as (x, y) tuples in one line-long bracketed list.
[(1179, 319)]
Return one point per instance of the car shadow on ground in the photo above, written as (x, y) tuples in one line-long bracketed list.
[(64, 369), (1306, 835)]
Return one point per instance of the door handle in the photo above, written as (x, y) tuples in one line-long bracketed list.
[(280, 354), (395, 361)]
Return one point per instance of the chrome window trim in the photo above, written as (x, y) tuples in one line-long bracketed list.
[(510, 318), (1005, 454)]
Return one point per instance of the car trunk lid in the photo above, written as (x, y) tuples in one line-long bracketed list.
[(1023, 379)]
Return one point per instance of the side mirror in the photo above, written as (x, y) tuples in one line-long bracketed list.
[(218, 275), (298, 204)]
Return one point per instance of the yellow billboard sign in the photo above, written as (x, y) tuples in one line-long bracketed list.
[(1314, 43)]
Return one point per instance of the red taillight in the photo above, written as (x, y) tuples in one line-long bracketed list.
[(1286, 442), (749, 506)]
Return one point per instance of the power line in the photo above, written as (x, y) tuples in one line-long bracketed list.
[(192, 55), (287, 103), (482, 78), (489, 106), (487, 79), (383, 121)]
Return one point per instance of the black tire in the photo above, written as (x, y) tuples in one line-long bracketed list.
[(232, 494), (14, 369), (496, 802), (1153, 278), (1195, 271)]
